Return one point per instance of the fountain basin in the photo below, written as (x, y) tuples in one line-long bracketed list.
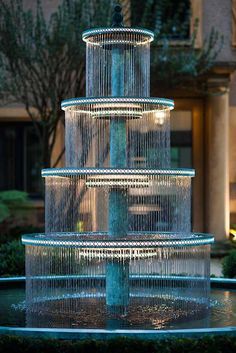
[(222, 318)]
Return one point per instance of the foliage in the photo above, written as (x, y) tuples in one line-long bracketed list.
[(11, 203), (12, 259), (216, 344), (166, 18), (229, 265), (42, 62), (174, 64), (14, 232)]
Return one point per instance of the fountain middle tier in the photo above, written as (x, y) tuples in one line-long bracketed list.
[(154, 199), (99, 129), (117, 58)]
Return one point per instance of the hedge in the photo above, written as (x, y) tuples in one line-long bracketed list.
[(229, 265), (209, 344), (12, 259)]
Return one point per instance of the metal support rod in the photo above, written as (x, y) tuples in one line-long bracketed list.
[(117, 273)]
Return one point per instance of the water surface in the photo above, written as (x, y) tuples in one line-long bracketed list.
[(222, 312)]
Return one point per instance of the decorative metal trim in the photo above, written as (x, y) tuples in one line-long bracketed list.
[(73, 333), (129, 244), (110, 30), (168, 103), (110, 171)]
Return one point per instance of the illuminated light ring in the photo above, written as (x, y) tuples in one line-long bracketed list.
[(115, 246), (108, 114), (88, 35), (134, 111), (164, 102), (117, 183), (68, 172)]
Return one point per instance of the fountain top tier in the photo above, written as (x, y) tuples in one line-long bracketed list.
[(118, 60), (117, 33)]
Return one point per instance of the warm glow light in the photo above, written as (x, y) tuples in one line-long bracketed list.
[(116, 183), (110, 113), (160, 116), (232, 234)]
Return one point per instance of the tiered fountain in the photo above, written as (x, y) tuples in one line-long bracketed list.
[(118, 251)]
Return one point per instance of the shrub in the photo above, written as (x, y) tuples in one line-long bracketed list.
[(12, 259), (15, 233), (209, 344), (229, 265), (11, 202), (14, 211)]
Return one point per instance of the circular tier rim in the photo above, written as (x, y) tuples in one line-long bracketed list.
[(86, 241), (71, 102), (106, 30), (175, 172)]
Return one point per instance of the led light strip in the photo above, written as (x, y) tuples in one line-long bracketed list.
[(91, 171), (116, 183), (168, 103), (113, 30), (115, 245), (112, 112)]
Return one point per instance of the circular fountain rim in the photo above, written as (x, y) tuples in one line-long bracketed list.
[(91, 241), (175, 172), (114, 30), (82, 334), (166, 103), (102, 334)]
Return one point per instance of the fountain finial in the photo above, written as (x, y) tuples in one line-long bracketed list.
[(117, 18)]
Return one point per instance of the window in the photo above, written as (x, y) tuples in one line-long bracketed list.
[(20, 158)]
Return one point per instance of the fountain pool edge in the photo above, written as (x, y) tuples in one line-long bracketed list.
[(101, 334)]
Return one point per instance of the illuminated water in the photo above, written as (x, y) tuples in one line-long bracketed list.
[(222, 312), (118, 252)]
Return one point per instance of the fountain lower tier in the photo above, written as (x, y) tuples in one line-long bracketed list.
[(160, 278), (96, 200)]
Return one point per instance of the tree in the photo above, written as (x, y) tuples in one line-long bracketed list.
[(177, 65), (42, 62)]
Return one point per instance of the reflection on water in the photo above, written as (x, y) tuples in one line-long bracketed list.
[(222, 313), (224, 308)]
